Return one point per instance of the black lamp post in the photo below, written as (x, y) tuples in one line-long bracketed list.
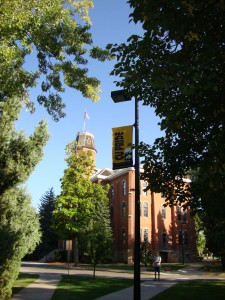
[(182, 243), (182, 240), (120, 96)]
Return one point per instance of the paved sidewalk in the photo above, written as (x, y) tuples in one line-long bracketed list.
[(148, 290), (42, 289)]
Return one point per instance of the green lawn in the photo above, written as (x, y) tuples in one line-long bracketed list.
[(83, 287), (194, 290), (124, 267), (22, 281), (173, 267)]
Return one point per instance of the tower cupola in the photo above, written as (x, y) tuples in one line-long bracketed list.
[(85, 142)]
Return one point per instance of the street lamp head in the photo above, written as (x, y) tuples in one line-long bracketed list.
[(120, 96)]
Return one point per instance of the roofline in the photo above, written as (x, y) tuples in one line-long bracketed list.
[(115, 173)]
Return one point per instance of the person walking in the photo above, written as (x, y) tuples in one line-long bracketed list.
[(157, 264)]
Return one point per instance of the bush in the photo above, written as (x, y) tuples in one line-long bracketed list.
[(200, 258), (61, 256)]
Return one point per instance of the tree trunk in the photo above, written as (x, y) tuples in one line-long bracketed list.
[(75, 251), (94, 271), (223, 262)]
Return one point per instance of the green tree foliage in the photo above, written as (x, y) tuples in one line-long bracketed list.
[(215, 235), (20, 233), (49, 240), (200, 235), (19, 224), (56, 35), (177, 67), (75, 204), (146, 253), (208, 202), (18, 154), (174, 67), (96, 240)]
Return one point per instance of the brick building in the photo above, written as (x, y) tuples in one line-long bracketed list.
[(170, 231)]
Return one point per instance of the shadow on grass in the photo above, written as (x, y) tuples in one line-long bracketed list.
[(22, 281), (194, 290), (83, 288)]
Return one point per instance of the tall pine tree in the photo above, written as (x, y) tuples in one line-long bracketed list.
[(49, 240)]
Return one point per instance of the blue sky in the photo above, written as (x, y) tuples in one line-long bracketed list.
[(110, 25)]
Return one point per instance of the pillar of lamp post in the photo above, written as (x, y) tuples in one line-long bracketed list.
[(182, 245), (120, 96), (182, 240)]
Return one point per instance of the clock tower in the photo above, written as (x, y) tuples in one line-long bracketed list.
[(85, 142)]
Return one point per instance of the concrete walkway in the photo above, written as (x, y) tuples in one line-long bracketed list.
[(42, 289), (148, 290)]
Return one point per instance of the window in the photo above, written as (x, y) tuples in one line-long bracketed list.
[(145, 234), (164, 238), (124, 186), (178, 213), (163, 212), (123, 212), (112, 191), (185, 237), (144, 189), (123, 233), (184, 217), (180, 237), (145, 209), (111, 211)]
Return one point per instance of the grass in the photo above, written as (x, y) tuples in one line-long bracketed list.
[(194, 290), (173, 267), (22, 281), (83, 287), (122, 267), (213, 268)]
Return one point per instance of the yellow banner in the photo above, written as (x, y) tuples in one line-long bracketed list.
[(122, 147)]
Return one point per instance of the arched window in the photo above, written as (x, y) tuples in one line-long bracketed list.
[(145, 234), (123, 235), (163, 212), (144, 189), (145, 209), (123, 212), (178, 213), (124, 187), (180, 237), (185, 237), (164, 238), (184, 217)]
